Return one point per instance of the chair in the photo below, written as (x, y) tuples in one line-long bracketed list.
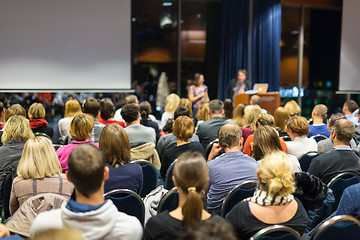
[(41, 134), (286, 138), (150, 176), (339, 183), (57, 146), (6, 191), (237, 194), (168, 177), (306, 159), (319, 137), (128, 202), (338, 227), (276, 232), (169, 201), (209, 147)]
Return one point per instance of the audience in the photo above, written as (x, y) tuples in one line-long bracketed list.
[(15, 109), (256, 100), (202, 114), (349, 108), (39, 171), (273, 203), (129, 99), (210, 230), (2, 115), (185, 102), (341, 158), (349, 202), (92, 107), (90, 214), (207, 131), (80, 130), (123, 174), (145, 110), (72, 108), (239, 113), (293, 108), (252, 113), (171, 103), (137, 133), (230, 169), (107, 111), (318, 115), (281, 116), (190, 176), (357, 130), (228, 109), (183, 129), (37, 123), (298, 129)]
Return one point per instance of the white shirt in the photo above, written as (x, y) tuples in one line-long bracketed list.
[(301, 145)]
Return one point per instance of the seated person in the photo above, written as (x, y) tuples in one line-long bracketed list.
[(350, 202), (281, 116), (36, 120), (273, 203), (145, 110), (123, 174), (298, 129), (319, 127), (92, 107), (183, 129), (348, 110), (190, 176), (252, 113), (210, 230), (107, 111), (90, 214)]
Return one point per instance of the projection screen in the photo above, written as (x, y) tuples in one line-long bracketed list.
[(65, 45), (350, 47)]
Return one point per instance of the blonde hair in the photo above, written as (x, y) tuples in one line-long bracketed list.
[(239, 114), (38, 159), (16, 127), (81, 127), (203, 112), (298, 125), (36, 111), (72, 108), (292, 107), (172, 102), (186, 103), (15, 109), (281, 115), (252, 113), (276, 174), (58, 234)]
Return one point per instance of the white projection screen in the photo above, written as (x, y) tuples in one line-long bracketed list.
[(350, 47), (65, 45)]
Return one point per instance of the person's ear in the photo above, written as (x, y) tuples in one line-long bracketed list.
[(67, 175), (173, 179), (106, 173), (241, 142)]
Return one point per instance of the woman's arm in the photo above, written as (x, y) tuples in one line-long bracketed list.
[(13, 202), (193, 98)]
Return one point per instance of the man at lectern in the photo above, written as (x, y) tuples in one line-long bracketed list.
[(238, 85)]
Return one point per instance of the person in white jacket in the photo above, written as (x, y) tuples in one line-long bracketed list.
[(90, 214)]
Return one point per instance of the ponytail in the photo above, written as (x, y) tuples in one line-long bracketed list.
[(192, 209), (144, 115)]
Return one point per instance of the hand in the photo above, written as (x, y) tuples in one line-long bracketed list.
[(241, 91), (215, 150), (252, 146), (4, 232)]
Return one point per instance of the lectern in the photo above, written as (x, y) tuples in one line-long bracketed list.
[(269, 101)]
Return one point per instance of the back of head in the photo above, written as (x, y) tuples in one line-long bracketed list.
[(86, 168), (107, 108), (2, 108), (114, 143), (36, 111), (298, 125), (15, 109), (130, 113), (183, 128), (265, 119), (228, 108), (131, 99), (252, 113), (81, 127), (16, 127), (92, 106), (216, 106), (186, 103), (38, 160), (281, 115), (229, 135), (334, 117), (276, 174), (345, 130), (292, 107), (192, 177), (351, 105), (172, 102), (203, 112), (145, 109), (72, 108), (209, 230), (239, 113), (266, 141), (320, 110), (58, 234), (181, 111), (255, 100)]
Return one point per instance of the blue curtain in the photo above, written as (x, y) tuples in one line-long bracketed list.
[(266, 44), (234, 41)]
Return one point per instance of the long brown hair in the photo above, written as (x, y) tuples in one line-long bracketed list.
[(192, 176), (265, 141)]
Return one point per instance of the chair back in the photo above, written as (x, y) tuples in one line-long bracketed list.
[(6, 191), (306, 159), (237, 194), (339, 183), (168, 177), (286, 138), (338, 227), (41, 134), (150, 176), (319, 137), (128, 202), (209, 147), (169, 201), (276, 232)]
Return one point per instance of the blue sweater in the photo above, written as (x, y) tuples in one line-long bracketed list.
[(350, 202)]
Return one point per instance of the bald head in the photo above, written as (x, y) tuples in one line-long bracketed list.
[(344, 130), (255, 100), (230, 135), (320, 111)]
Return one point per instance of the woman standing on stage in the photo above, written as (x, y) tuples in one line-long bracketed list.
[(198, 92)]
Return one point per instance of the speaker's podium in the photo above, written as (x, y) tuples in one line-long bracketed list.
[(269, 101)]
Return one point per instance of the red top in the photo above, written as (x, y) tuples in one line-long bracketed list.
[(250, 139), (121, 123)]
